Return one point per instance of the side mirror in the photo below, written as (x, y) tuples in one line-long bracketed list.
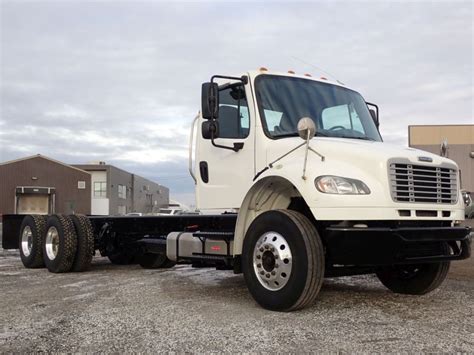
[(374, 112), (374, 117), (306, 126), (210, 100), (210, 129)]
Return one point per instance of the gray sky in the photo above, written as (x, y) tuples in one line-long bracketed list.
[(120, 82)]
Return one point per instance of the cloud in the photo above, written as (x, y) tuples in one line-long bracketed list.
[(120, 82)]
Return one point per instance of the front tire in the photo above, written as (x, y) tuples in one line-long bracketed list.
[(413, 279), (283, 260)]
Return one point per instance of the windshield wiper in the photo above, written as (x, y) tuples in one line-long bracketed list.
[(283, 135), (295, 134), (352, 137)]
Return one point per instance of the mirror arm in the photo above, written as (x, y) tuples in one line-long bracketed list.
[(244, 78), (235, 148)]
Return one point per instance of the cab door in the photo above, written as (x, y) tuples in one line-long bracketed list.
[(224, 176)]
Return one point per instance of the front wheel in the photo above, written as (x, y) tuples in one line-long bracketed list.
[(283, 260), (413, 279)]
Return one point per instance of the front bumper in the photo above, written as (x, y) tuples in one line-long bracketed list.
[(401, 212), (375, 246)]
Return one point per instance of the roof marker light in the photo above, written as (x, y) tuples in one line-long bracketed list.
[(309, 75), (291, 72), (263, 69), (323, 78)]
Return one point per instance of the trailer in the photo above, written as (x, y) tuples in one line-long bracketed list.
[(313, 189)]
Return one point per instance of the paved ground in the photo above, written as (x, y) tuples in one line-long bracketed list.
[(126, 308)]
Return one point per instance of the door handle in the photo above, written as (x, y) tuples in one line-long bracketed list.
[(204, 170)]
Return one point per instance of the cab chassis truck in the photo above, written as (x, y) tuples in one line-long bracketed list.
[(317, 194)]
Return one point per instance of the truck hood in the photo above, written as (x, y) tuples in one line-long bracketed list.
[(367, 161), (355, 150)]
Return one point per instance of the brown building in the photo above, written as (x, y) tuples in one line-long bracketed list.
[(456, 142), (40, 185)]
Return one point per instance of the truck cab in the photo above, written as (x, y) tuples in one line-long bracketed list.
[(360, 177), (373, 205)]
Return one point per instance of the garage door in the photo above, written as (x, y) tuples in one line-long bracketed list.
[(33, 204)]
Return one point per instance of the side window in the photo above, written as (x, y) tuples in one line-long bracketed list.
[(342, 116), (234, 118)]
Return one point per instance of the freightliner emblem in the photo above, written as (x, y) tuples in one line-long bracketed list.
[(427, 159)]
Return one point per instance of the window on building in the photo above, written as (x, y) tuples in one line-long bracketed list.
[(122, 191), (100, 189)]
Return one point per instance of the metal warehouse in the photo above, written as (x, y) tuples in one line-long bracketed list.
[(118, 192), (42, 185)]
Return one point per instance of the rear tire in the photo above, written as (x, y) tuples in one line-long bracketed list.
[(283, 260), (85, 242), (155, 261), (31, 237), (59, 245)]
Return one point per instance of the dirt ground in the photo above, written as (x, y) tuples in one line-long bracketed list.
[(128, 309)]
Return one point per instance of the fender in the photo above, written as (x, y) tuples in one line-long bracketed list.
[(269, 192)]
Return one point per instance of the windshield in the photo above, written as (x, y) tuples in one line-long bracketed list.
[(336, 111)]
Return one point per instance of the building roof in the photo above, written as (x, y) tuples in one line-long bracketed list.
[(45, 158)]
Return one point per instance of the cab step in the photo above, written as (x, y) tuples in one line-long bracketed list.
[(226, 236)]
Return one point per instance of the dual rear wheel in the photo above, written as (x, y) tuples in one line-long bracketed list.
[(61, 243)]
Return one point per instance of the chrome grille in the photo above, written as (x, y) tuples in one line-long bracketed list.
[(421, 183)]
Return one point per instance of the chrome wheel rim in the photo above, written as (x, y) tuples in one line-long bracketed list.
[(52, 243), (272, 261), (26, 241)]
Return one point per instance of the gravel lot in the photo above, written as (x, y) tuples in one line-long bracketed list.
[(126, 308)]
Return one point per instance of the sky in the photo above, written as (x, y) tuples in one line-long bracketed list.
[(120, 82)]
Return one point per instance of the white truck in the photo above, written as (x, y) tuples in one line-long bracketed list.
[(317, 194)]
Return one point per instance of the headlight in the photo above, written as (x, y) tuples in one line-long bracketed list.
[(340, 185)]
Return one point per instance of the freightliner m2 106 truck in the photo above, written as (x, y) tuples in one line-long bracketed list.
[(317, 194)]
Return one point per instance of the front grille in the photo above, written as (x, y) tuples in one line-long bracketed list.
[(421, 183)]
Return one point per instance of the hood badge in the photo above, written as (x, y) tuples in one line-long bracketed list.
[(427, 159)]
